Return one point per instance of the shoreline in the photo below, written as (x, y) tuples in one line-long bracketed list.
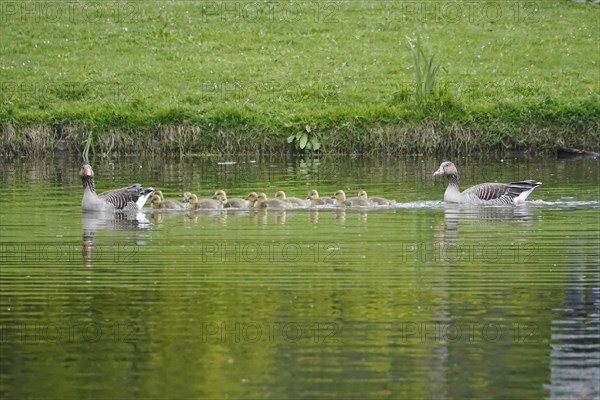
[(427, 139)]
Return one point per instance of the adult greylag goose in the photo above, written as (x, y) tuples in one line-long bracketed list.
[(484, 193), (294, 201), (376, 200), (315, 200), (203, 204), (221, 196), (263, 202), (159, 202), (341, 200), (130, 198)]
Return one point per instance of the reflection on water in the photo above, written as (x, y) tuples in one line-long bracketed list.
[(454, 213), (94, 221), (575, 340)]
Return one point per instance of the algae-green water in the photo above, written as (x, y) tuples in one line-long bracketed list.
[(418, 300)]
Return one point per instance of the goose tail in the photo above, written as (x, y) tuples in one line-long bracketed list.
[(525, 188), (144, 195)]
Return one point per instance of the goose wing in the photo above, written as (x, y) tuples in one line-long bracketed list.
[(487, 191), (121, 198), (502, 192)]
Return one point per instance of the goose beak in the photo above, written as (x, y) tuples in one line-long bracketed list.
[(87, 171), (214, 197), (440, 171), (307, 197)]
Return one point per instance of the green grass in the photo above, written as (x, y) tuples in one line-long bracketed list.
[(190, 76)]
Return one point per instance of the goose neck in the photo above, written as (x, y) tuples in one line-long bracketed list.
[(453, 180), (88, 183)]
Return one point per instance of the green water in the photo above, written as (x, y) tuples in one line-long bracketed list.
[(421, 300)]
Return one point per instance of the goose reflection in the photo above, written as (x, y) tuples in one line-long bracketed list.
[(260, 216), (196, 215), (98, 220), (447, 232), (313, 216), (159, 216), (280, 216), (341, 213)]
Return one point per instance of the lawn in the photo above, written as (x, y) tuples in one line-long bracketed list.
[(200, 76)]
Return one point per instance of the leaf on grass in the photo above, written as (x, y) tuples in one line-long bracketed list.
[(315, 143), (303, 141)]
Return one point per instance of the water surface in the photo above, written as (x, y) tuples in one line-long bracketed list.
[(419, 300)]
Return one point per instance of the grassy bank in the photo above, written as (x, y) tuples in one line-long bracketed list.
[(230, 76)]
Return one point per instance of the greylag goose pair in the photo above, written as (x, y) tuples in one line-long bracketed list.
[(205, 204), (315, 200), (484, 193), (221, 196), (340, 200), (158, 202), (130, 198), (361, 200), (263, 202)]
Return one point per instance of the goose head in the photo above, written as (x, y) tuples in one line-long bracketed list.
[(219, 195), (156, 200), (339, 196), (86, 170), (280, 195), (192, 199), (446, 168), (312, 195), (362, 194), (186, 197), (252, 197), (261, 199)]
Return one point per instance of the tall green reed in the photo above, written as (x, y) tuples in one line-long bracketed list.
[(425, 70)]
